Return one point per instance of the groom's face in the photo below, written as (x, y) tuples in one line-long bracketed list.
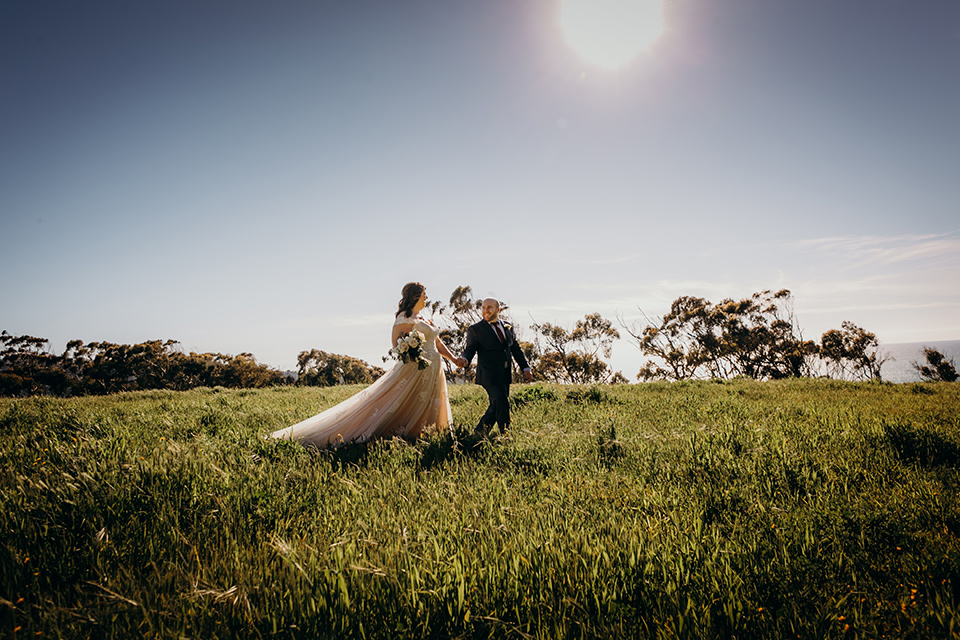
[(490, 310)]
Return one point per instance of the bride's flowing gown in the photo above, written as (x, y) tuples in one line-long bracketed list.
[(402, 402)]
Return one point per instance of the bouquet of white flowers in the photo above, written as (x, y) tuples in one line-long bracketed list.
[(410, 349)]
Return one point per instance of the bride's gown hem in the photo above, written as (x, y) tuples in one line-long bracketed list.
[(404, 402)]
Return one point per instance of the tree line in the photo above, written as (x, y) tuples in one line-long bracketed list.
[(756, 337), (29, 367)]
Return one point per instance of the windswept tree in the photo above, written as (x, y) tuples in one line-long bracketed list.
[(322, 369), (851, 353), (937, 368), (29, 367), (106, 367), (682, 341), (757, 337), (109, 368), (577, 356), (239, 371)]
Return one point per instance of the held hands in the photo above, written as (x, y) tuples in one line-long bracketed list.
[(462, 362)]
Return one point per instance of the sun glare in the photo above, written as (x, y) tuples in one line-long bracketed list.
[(610, 33)]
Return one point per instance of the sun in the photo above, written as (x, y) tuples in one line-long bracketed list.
[(609, 33)]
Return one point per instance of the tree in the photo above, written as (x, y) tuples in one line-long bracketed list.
[(106, 367), (239, 371), (851, 352), (676, 340), (577, 355), (759, 337), (319, 368), (756, 337), (28, 367), (938, 368)]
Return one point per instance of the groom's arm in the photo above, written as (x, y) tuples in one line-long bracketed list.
[(518, 353), (472, 343)]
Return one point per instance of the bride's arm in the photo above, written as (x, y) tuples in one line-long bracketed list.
[(442, 348), (399, 331)]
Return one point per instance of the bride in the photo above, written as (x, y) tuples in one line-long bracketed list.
[(403, 402)]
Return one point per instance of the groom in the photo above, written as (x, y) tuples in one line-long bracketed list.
[(494, 343)]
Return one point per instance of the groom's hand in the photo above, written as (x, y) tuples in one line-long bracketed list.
[(528, 375), (461, 362)]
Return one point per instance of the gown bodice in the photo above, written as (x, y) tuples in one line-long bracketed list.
[(429, 331)]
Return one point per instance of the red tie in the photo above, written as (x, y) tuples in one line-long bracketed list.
[(499, 332)]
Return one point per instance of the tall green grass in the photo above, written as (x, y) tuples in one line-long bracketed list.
[(811, 509)]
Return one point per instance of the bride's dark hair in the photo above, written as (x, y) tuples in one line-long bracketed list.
[(411, 293)]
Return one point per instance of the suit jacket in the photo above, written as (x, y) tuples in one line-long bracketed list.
[(493, 356)]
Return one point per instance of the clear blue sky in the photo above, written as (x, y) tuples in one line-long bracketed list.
[(264, 177)]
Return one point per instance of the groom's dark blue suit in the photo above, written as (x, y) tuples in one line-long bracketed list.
[(493, 368)]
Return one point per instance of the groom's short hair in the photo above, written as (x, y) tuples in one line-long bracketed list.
[(493, 300)]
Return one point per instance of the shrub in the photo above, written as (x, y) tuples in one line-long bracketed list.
[(938, 368)]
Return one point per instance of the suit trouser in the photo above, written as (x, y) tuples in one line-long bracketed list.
[(499, 409)]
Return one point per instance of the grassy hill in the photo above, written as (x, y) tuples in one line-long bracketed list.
[(804, 508)]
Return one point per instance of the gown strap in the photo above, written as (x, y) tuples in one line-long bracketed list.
[(403, 320)]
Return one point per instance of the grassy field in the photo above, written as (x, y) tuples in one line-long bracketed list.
[(797, 509)]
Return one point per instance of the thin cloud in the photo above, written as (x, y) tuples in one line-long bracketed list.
[(834, 309), (886, 249), (324, 322), (601, 261)]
